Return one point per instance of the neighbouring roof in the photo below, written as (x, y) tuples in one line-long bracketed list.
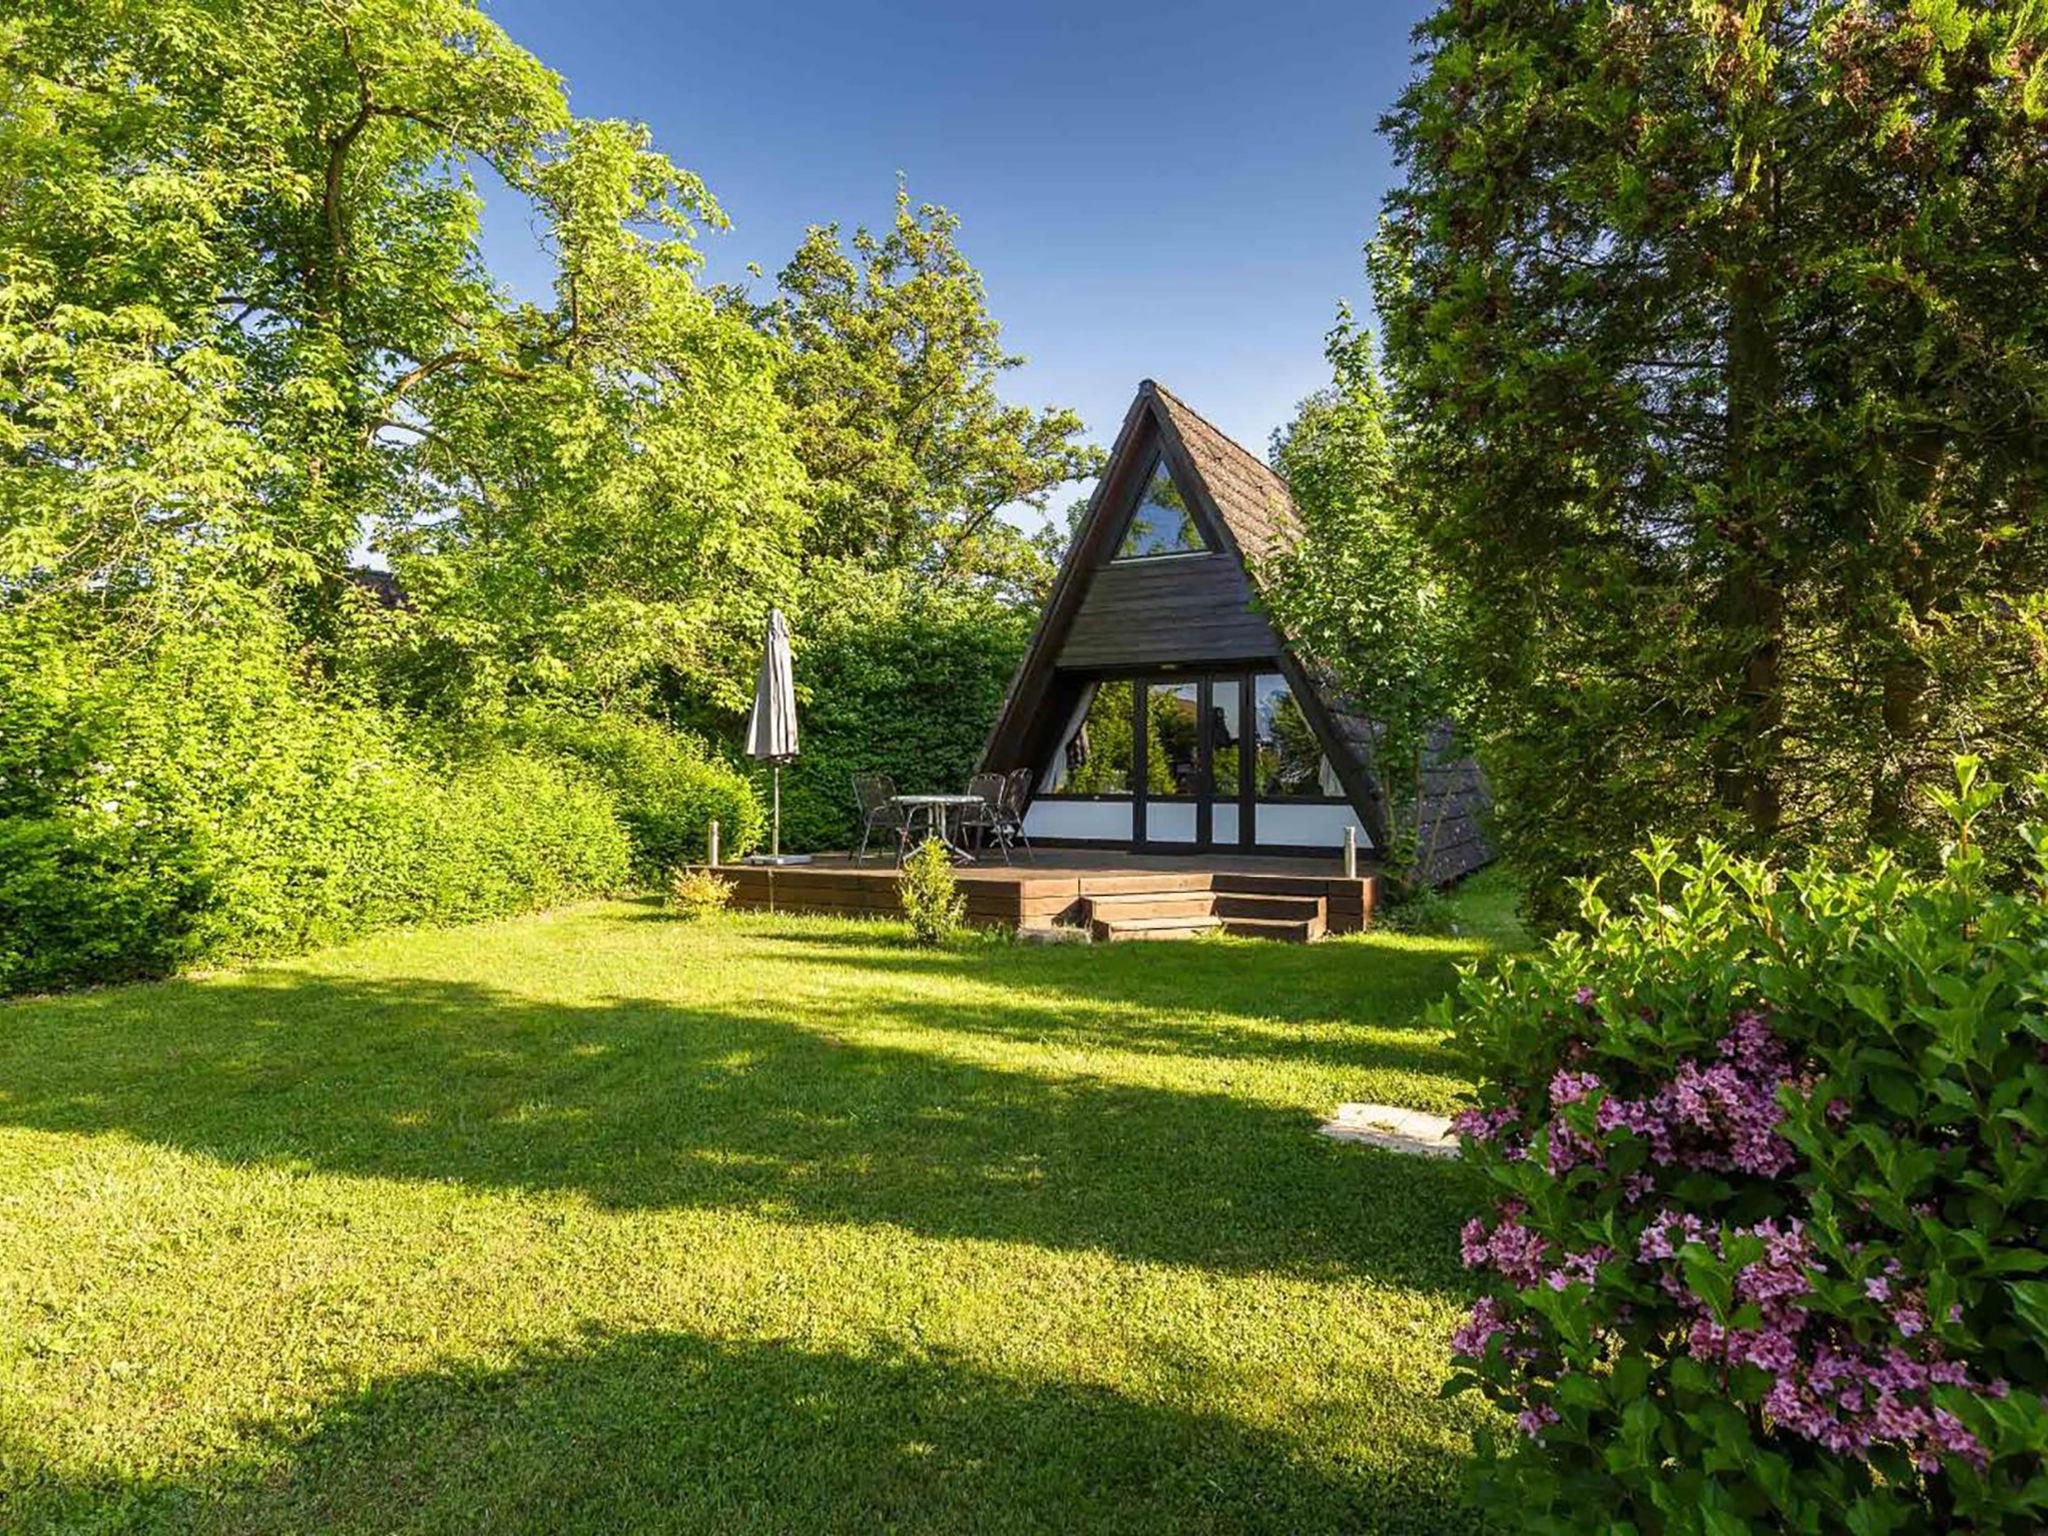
[(381, 585)]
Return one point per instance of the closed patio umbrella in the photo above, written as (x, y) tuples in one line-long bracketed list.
[(771, 731)]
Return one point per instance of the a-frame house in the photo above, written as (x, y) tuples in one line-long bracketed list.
[(1158, 707)]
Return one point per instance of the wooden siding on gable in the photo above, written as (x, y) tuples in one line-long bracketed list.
[(1182, 608)]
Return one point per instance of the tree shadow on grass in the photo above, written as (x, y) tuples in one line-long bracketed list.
[(646, 1104), (1280, 1002), (662, 1431)]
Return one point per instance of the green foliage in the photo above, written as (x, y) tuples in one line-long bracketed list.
[(244, 320), (911, 453), (893, 678), (1420, 909), (695, 894), (930, 893), (667, 787), (1362, 592), (203, 803), (1773, 1158), (1720, 335)]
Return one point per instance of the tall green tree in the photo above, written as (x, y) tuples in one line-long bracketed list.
[(1722, 333), (911, 450), (1361, 591), (245, 321)]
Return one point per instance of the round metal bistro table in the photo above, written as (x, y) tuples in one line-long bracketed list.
[(936, 809)]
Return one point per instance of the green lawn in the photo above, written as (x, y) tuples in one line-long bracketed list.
[(599, 1222)]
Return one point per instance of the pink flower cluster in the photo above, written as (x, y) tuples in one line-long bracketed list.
[(1719, 1114), (1723, 1116), (1519, 1255), (1511, 1249), (1484, 1124), (1826, 1386)]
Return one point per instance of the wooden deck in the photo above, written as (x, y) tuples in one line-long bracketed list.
[(1113, 895)]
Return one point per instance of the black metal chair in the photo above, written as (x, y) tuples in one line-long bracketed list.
[(1016, 797), (875, 796), (985, 819)]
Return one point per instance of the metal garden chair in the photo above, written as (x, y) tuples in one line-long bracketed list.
[(875, 796), (1016, 796), (986, 819)]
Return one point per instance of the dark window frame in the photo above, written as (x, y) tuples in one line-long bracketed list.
[(1247, 799), (1205, 548)]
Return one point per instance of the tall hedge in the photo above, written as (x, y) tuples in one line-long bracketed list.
[(668, 786), (906, 685), (206, 802), (1771, 1158)]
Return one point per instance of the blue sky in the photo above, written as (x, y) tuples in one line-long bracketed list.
[(1175, 191)]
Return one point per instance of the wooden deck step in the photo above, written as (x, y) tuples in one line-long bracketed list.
[(1298, 909), (1140, 904), (1125, 929), (1287, 930), (1152, 882)]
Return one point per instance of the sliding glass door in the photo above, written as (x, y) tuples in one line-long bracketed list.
[(1190, 781)]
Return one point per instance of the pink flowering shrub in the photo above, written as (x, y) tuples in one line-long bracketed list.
[(1771, 1164)]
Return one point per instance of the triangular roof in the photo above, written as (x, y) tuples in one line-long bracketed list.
[(1246, 515)]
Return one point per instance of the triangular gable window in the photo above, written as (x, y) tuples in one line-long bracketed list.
[(1162, 523)]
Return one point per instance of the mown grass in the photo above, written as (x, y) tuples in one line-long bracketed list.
[(601, 1222)]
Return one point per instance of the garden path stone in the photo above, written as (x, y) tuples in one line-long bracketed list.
[(1395, 1129)]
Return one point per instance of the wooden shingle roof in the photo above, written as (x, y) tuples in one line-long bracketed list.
[(1252, 498)]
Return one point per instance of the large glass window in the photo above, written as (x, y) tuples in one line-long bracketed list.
[(1162, 523), (1173, 751), (1100, 753), (1225, 734), (1290, 764), (1096, 757)]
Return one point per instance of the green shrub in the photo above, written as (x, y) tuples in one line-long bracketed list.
[(930, 894), (694, 894), (1424, 910), (204, 803), (1772, 1154), (509, 834), (668, 787)]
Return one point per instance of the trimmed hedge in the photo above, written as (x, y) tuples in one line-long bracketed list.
[(1772, 1160), (205, 803), (667, 786)]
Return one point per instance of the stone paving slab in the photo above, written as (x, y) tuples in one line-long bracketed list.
[(1388, 1126)]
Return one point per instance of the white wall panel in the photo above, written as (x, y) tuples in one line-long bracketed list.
[(1307, 826), (1223, 825), (1170, 823), (1101, 820)]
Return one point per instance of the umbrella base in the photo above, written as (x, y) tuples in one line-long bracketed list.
[(776, 858)]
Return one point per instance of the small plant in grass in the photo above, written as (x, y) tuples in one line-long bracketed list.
[(930, 893), (1425, 910), (695, 894), (1771, 1160)]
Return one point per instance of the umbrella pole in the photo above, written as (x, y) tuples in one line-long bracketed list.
[(775, 837)]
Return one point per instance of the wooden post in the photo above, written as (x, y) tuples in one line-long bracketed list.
[(1350, 853), (711, 857)]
